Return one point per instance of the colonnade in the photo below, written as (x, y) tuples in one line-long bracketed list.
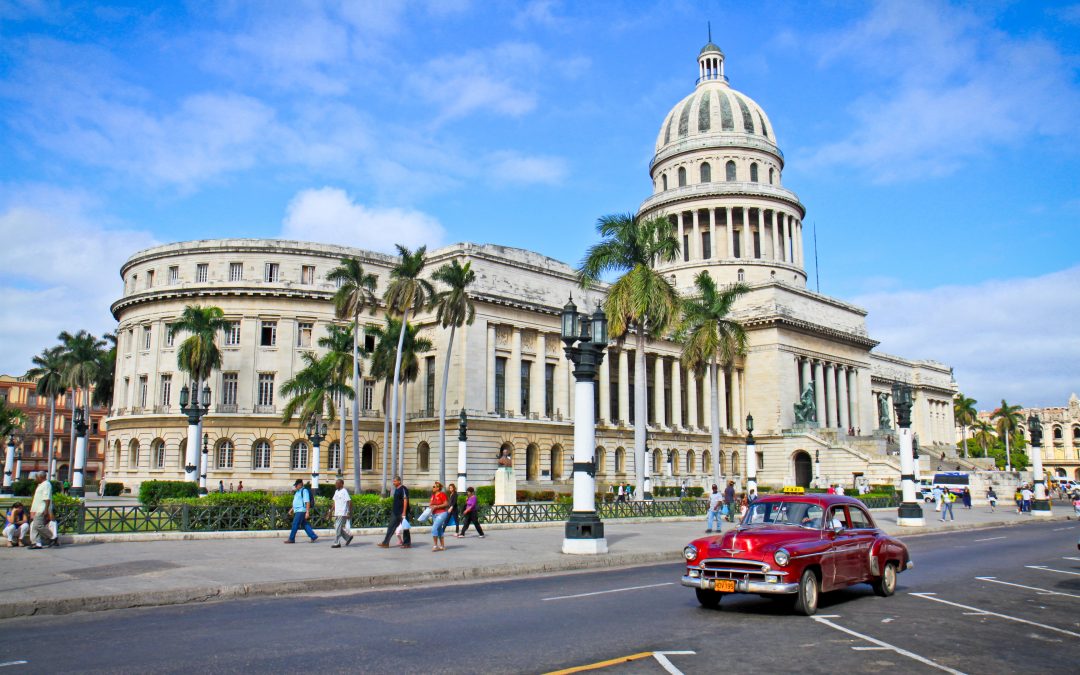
[(745, 233), (938, 422), (836, 391)]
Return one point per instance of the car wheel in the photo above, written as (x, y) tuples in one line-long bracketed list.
[(806, 601), (886, 585), (708, 599)]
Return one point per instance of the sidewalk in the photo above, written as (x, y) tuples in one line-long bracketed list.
[(106, 575)]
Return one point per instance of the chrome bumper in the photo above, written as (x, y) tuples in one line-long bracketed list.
[(744, 586)]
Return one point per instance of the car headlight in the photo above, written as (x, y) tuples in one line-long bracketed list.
[(689, 552), (781, 557)]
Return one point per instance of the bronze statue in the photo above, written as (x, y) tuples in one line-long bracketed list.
[(505, 459), (883, 411), (806, 408)]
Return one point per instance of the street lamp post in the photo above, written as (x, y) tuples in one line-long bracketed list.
[(204, 463), (316, 432), (1041, 505), (910, 513), (751, 458), (78, 471), (195, 413), (18, 464), (9, 465), (462, 453), (584, 529)]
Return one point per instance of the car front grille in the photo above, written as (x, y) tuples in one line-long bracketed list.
[(733, 568)]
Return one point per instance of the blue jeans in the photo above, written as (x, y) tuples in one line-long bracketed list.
[(712, 522), (299, 520), (947, 508), (438, 524)]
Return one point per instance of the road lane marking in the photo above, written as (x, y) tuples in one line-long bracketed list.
[(1059, 529), (1044, 568), (614, 590), (870, 649), (926, 596), (13, 663), (1066, 557), (886, 645), (662, 659), (991, 538), (1044, 591)]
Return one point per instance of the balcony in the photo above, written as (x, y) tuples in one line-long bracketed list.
[(226, 408), (265, 409), (719, 189)]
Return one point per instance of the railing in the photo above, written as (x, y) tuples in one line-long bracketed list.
[(537, 512), (226, 408)]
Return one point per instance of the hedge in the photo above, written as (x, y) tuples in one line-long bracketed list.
[(24, 487), (152, 492), (114, 489)]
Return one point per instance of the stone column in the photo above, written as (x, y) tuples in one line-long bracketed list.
[(747, 235), (729, 233), (691, 399), (853, 399), (736, 399), (658, 389), (799, 239), (712, 234), (721, 386), (830, 395), (842, 387), (538, 390), (624, 387), (819, 392), (761, 231), (781, 221), (562, 396), (513, 374), (806, 374), (605, 391), (695, 237), (491, 367), (775, 236), (676, 394)]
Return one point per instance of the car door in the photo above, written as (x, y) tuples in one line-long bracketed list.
[(861, 537), (836, 565)]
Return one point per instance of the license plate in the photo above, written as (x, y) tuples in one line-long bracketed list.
[(725, 585)]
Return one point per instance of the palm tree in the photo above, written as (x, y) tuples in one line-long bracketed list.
[(339, 344), (382, 360), (382, 369), (356, 291), (454, 308), (80, 371), (712, 340), (642, 300), (407, 292), (198, 355), (965, 414), (48, 372), (312, 389), (1007, 420), (984, 435), (106, 372)]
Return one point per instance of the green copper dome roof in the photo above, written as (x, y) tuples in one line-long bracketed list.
[(710, 47)]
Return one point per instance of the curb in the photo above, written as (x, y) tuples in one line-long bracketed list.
[(302, 586), (902, 532)]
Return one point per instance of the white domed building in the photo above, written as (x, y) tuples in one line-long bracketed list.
[(717, 175)]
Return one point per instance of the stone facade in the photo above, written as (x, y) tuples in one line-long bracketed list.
[(1061, 437)]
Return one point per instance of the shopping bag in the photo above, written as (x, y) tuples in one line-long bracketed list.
[(405, 525), (425, 515)]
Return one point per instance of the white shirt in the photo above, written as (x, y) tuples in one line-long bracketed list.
[(839, 490), (1027, 494), (341, 503), (715, 499)]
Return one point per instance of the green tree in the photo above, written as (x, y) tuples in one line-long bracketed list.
[(405, 293), (81, 364), (984, 436), (1007, 420), (356, 292), (339, 345), (106, 372), (198, 355), (454, 308), (965, 415), (48, 374), (10, 419), (711, 340), (311, 391), (384, 357), (641, 300)]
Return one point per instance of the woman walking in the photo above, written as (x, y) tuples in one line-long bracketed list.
[(967, 499), (452, 497), (440, 512), (470, 514)]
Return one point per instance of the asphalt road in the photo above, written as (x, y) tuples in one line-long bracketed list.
[(986, 601)]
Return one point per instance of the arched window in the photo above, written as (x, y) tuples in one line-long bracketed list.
[(1057, 433), (753, 172), (706, 462), (116, 454), (673, 461), (133, 453), (367, 457), (532, 461), (556, 462), (181, 458), (742, 275), (729, 170), (689, 461), (333, 457), (157, 452), (600, 458), (772, 175), (664, 177), (620, 460), (224, 454), (1076, 433), (299, 459), (423, 456), (682, 176), (735, 463), (657, 461), (706, 173), (261, 454)]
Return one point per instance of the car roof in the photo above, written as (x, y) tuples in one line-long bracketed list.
[(812, 498)]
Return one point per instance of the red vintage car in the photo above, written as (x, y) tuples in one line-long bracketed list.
[(796, 546)]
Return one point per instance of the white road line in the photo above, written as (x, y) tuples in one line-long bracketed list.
[(1065, 557), (12, 663), (991, 538), (614, 590), (886, 645), (1044, 568), (1059, 529), (870, 649), (662, 659), (926, 596), (1044, 591)]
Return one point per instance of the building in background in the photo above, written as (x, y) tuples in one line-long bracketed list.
[(1061, 436)]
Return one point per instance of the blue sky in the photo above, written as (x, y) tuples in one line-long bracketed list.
[(934, 145)]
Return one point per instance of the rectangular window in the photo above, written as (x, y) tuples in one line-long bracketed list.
[(757, 244), (549, 389), (149, 278), (271, 273), (686, 248), (174, 274), (268, 334), (232, 334), (526, 379), (303, 334), (31, 398), (142, 391), (369, 342), (631, 397), (146, 337), (134, 282), (236, 271), (170, 339), (737, 243), (127, 389), (228, 388), (613, 391), (262, 455), (667, 392), (368, 402), (307, 274), (166, 390), (266, 389), (429, 382), (706, 244), (500, 384), (202, 273)]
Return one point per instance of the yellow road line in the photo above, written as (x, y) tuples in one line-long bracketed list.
[(602, 664)]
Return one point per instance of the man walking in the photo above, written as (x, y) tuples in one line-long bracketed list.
[(40, 512), (729, 500), (301, 507), (398, 512), (342, 511), (947, 501), (712, 520), (1027, 496)]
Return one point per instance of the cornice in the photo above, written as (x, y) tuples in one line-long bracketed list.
[(216, 291)]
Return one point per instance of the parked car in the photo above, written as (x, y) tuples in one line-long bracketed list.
[(926, 490), (795, 546)]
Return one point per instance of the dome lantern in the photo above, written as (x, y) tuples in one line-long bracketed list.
[(711, 62)]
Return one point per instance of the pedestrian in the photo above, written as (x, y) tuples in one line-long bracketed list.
[(232, 486), (682, 490), (1027, 495), (712, 517), (839, 490), (991, 497), (342, 511), (399, 509), (440, 511), (937, 497), (41, 513), (729, 500), (967, 499), (471, 514), (452, 499), (221, 487), (752, 497), (1019, 497), (629, 491), (101, 488), (17, 525), (240, 487), (948, 500), (66, 487), (744, 506), (830, 490), (622, 493), (302, 504), (1076, 503)]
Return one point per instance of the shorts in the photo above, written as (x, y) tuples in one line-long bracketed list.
[(438, 525)]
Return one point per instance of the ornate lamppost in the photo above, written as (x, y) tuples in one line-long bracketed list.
[(316, 432), (205, 462), (78, 471), (584, 529), (9, 465), (1041, 505), (751, 458), (910, 512), (195, 413), (462, 452)]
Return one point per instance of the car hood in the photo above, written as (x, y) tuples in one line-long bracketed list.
[(755, 540)]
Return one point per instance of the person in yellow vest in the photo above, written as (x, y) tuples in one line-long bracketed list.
[(947, 501)]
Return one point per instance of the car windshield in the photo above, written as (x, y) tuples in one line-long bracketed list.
[(784, 513)]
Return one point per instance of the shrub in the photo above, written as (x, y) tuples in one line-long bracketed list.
[(62, 500), (114, 489), (152, 492), (485, 494), (24, 487)]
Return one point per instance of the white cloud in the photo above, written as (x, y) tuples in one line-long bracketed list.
[(330, 215), (948, 88), (62, 257), (1014, 339)]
